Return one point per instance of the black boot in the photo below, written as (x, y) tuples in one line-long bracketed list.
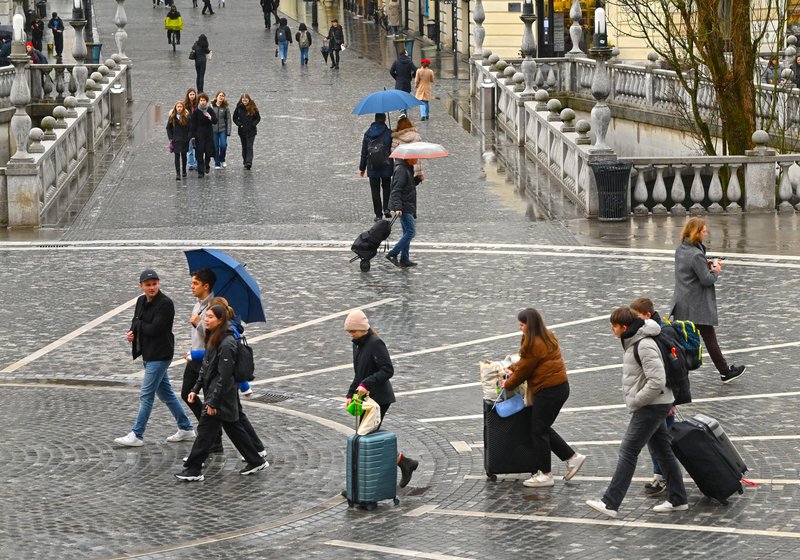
[(407, 467)]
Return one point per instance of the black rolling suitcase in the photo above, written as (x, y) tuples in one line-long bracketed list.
[(507, 446), (703, 448), (367, 244)]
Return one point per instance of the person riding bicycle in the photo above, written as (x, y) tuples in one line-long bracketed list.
[(173, 23)]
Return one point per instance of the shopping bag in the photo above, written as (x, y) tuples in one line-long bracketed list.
[(491, 379), (371, 418)]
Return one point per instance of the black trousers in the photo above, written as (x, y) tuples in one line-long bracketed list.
[(268, 20), (334, 57), (180, 167), (204, 151), (207, 432), (546, 406), (378, 184), (248, 428), (247, 149), (207, 6), (58, 41), (200, 68), (190, 374), (710, 339)]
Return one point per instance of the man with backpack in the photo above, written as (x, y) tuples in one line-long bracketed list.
[(283, 36), (649, 400), (375, 149)]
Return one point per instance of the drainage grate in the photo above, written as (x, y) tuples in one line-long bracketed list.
[(271, 397)]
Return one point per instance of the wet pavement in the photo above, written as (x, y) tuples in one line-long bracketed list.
[(485, 251)]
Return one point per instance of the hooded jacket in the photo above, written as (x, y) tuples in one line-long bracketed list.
[(373, 368), (216, 378), (403, 195), (403, 71), (646, 384), (406, 136), (694, 298), (376, 130)]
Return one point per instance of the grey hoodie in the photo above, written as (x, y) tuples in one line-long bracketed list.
[(646, 384)]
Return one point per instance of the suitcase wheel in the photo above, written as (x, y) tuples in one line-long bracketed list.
[(492, 477), (350, 503), (364, 266), (369, 506), (396, 501)]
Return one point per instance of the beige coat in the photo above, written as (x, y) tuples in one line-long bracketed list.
[(407, 136), (393, 13), (423, 80)]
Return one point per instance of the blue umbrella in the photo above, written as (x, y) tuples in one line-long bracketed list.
[(385, 101), (233, 283)]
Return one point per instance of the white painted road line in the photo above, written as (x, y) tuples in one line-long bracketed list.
[(729, 530), (364, 547), (67, 337)]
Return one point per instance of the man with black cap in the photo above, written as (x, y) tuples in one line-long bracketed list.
[(151, 338), (57, 26)]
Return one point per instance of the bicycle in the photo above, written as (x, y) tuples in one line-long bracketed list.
[(173, 39)]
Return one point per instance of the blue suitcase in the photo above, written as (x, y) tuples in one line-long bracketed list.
[(371, 469)]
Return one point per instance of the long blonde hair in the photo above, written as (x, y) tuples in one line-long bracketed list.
[(693, 230)]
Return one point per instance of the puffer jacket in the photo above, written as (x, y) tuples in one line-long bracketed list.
[(406, 136), (646, 384), (223, 123), (216, 378)]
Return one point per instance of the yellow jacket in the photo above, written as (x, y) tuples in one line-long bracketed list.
[(173, 24)]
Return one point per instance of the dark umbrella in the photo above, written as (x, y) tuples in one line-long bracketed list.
[(6, 32), (385, 101), (233, 283), (325, 50)]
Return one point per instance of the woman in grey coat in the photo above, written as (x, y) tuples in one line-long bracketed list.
[(695, 298)]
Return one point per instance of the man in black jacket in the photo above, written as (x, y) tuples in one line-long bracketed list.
[(151, 338), (403, 71), (403, 202)]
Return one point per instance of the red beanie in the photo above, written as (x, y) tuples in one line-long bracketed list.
[(29, 44)]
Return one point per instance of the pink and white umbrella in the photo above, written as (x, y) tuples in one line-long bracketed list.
[(419, 150)]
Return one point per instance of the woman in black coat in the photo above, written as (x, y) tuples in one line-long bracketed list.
[(179, 132), (202, 123), (373, 370), (202, 52), (246, 118), (221, 407)]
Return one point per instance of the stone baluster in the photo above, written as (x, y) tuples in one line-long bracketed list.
[(508, 75), (60, 112), (493, 59), (541, 97), (697, 193), (104, 73), (478, 16), (575, 30), (48, 124), (789, 54), (552, 79), (528, 50), (539, 77), (35, 136), (20, 96), (785, 188), (601, 87), (70, 103), (554, 106), (640, 192), (519, 83), (61, 84), (582, 127), (79, 71), (90, 88), (715, 190), (121, 36), (660, 191), (677, 192), (734, 190), (567, 117)]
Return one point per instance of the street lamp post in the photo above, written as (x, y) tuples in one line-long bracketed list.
[(528, 49), (601, 85)]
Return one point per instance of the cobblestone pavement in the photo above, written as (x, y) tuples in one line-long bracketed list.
[(69, 387)]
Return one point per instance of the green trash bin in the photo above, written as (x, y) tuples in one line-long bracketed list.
[(93, 53), (410, 46)]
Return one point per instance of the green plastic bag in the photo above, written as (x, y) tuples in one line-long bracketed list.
[(355, 406)]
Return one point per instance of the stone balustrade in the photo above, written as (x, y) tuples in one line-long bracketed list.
[(38, 192), (761, 180)]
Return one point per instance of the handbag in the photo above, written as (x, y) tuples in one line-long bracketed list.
[(509, 407), (192, 54), (171, 147)]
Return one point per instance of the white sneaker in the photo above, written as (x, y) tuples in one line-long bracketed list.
[(574, 465), (248, 393), (667, 507), (539, 480), (182, 435), (224, 164), (129, 441), (262, 453), (217, 167), (600, 505)]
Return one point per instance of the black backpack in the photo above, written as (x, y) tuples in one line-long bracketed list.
[(281, 34), (244, 368), (377, 152), (675, 364)]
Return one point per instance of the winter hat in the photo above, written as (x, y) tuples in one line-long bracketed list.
[(356, 321), (29, 44), (425, 61)]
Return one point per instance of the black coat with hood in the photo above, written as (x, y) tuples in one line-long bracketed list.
[(403, 71), (376, 130), (201, 51), (373, 368), (216, 378), (403, 195)]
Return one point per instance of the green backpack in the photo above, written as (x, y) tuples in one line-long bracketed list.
[(689, 338)]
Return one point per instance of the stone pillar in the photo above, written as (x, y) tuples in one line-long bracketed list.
[(759, 178), (601, 113), (80, 72), (121, 36), (479, 16), (528, 50), (575, 30)]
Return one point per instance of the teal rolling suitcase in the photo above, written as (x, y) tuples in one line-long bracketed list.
[(371, 469)]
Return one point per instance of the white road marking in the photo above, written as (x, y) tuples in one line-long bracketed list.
[(67, 337), (365, 547), (618, 523), (461, 446), (421, 352)]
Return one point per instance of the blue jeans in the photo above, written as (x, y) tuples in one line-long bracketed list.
[(220, 147), (283, 48), (403, 244), (192, 159), (647, 427), (656, 469), (303, 55), (156, 382), (425, 109)]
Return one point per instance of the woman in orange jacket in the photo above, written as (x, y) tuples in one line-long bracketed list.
[(541, 365)]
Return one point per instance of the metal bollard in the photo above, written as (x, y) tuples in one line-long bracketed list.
[(119, 104), (486, 100)]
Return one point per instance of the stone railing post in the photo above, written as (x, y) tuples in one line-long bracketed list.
[(121, 36), (79, 71), (759, 178), (575, 30), (528, 50), (601, 88), (478, 16), (650, 79)]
